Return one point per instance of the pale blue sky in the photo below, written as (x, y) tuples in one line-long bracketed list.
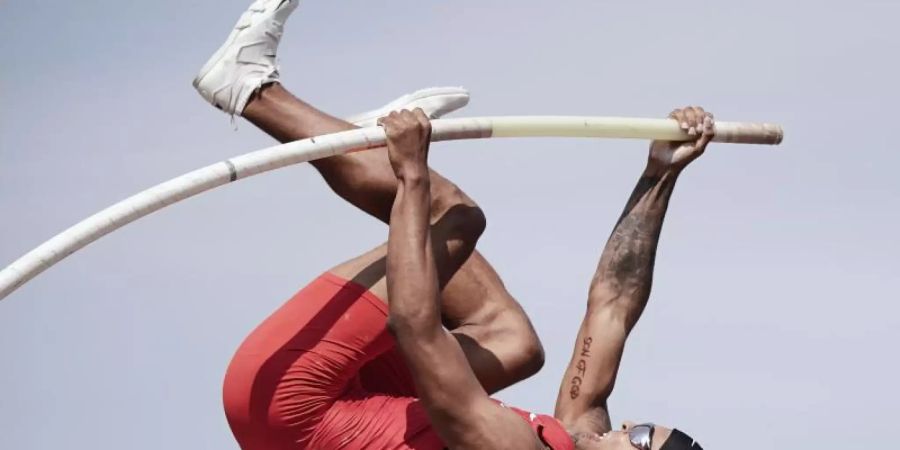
[(774, 316)]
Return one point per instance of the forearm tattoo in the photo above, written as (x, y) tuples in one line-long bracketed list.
[(626, 267), (581, 368)]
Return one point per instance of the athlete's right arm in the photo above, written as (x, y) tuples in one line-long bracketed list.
[(621, 285), (458, 407)]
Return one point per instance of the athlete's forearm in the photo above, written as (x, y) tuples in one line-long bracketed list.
[(411, 269), (621, 286), (618, 295), (457, 406), (625, 272)]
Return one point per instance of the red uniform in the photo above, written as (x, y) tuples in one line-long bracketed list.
[(322, 373)]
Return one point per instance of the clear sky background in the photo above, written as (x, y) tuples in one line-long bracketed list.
[(774, 320)]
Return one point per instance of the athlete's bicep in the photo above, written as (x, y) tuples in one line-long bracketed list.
[(444, 380), (459, 409), (591, 375)]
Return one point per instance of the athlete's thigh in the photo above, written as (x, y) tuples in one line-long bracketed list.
[(291, 369), (491, 326), (489, 323), (493, 330)]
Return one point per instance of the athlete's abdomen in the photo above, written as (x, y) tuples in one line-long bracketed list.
[(361, 420)]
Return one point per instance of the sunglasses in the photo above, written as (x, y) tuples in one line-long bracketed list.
[(641, 436)]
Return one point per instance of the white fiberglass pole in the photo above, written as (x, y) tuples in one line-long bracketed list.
[(209, 177)]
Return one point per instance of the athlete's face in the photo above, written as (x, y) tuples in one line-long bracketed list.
[(621, 440)]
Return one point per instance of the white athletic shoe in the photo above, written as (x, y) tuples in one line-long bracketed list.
[(246, 60), (436, 102)]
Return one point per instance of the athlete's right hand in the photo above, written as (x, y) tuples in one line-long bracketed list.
[(408, 138), (675, 156)]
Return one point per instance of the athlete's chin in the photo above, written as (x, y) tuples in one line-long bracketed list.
[(594, 446), (592, 441), (608, 441)]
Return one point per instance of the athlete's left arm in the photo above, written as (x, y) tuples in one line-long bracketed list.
[(621, 285), (458, 407)]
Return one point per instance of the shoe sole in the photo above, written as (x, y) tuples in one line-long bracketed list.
[(421, 94)]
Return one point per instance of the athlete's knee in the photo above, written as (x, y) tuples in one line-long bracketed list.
[(531, 355), (445, 194), (525, 353), (472, 222), (457, 210)]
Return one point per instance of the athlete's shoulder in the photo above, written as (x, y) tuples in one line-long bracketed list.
[(550, 430)]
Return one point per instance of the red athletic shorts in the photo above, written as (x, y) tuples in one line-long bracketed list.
[(322, 373)]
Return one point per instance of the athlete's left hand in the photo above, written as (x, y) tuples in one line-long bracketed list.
[(408, 138)]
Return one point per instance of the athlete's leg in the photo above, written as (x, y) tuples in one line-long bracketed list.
[(491, 326), (288, 374)]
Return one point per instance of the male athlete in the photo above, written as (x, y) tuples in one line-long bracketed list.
[(361, 357)]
